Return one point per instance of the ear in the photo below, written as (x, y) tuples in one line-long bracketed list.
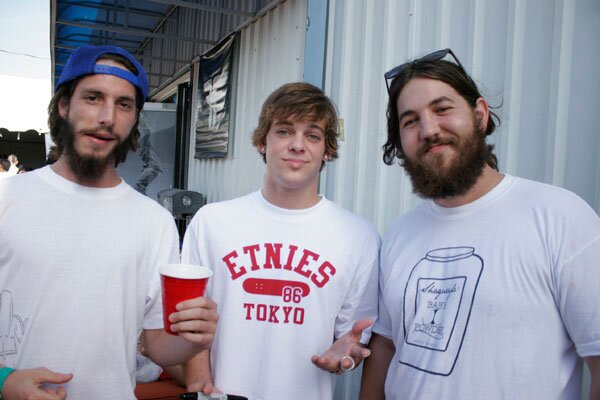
[(482, 112), (63, 108)]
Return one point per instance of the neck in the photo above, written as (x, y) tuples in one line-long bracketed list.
[(291, 199), (109, 178), (488, 180)]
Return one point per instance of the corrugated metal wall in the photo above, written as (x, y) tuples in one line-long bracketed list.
[(537, 59), (269, 53), (169, 56)]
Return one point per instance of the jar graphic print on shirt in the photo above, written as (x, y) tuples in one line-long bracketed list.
[(438, 298)]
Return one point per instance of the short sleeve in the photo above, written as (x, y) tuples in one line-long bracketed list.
[(168, 244)]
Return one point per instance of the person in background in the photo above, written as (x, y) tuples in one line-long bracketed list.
[(488, 289), (52, 156), (14, 162), (295, 275), (79, 289), (4, 168), (24, 168), (151, 166)]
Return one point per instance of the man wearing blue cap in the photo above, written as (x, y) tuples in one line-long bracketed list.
[(79, 280)]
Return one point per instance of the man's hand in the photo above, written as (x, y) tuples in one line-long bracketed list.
[(346, 352), (196, 320), (26, 384)]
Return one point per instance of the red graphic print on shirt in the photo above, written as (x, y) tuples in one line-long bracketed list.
[(304, 264)]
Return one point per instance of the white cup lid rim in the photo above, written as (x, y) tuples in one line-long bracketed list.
[(185, 271)]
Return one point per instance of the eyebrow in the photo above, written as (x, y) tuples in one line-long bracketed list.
[(431, 103), (126, 98), (99, 93)]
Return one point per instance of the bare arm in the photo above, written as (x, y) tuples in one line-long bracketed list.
[(195, 321), (376, 367), (197, 373), (594, 365)]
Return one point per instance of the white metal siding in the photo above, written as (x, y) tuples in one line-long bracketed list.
[(188, 22), (537, 59), (270, 53)]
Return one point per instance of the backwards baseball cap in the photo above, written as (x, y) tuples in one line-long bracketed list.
[(83, 62)]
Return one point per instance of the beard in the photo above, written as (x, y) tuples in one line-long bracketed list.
[(431, 180), (84, 165)]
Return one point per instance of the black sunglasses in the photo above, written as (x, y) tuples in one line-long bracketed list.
[(435, 56)]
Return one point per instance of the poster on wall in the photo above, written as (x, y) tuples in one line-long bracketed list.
[(151, 168), (214, 93)]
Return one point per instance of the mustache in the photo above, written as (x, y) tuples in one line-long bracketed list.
[(434, 141)]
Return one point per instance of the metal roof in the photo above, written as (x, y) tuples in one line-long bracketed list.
[(165, 35)]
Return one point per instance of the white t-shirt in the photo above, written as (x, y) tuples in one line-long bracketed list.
[(494, 299), (286, 282), (78, 279)]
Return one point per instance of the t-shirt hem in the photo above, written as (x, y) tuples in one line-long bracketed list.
[(589, 349), (382, 332)]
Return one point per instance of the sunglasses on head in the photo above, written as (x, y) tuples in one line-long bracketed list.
[(435, 56)]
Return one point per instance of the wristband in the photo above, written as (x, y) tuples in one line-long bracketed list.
[(4, 373)]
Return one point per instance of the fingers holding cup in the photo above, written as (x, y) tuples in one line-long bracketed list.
[(181, 282)]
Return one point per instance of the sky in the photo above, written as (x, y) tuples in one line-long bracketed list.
[(25, 87)]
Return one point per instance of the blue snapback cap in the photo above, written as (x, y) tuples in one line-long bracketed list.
[(83, 62)]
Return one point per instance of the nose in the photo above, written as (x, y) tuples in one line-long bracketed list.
[(106, 115), (297, 142), (428, 126)]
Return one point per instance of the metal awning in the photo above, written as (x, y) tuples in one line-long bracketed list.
[(165, 35)]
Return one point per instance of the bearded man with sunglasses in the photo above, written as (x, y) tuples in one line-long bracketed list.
[(489, 288)]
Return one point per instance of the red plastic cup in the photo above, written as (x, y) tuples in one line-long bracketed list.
[(181, 282)]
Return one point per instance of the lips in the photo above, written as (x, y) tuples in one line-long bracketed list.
[(99, 136), (435, 146), (295, 161)]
